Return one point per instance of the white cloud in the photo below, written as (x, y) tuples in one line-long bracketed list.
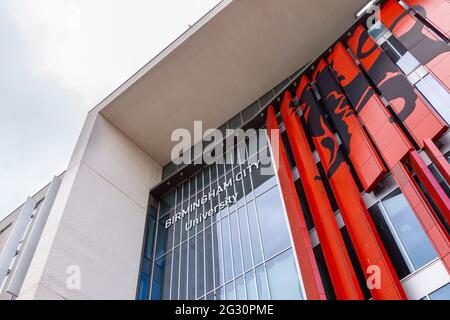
[(58, 59)]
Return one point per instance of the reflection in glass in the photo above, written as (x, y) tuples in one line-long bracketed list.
[(441, 294), (227, 255), (229, 290), (209, 267), (272, 222), (237, 257), (416, 243), (280, 272), (175, 273), (191, 269), (183, 272), (263, 290), (240, 288), (250, 283), (200, 265), (254, 233), (245, 239)]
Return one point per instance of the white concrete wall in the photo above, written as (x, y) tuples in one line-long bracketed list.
[(97, 221)]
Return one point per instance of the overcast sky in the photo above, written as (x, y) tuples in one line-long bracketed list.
[(58, 59)]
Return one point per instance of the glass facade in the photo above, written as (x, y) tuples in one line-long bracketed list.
[(223, 234), (404, 238)]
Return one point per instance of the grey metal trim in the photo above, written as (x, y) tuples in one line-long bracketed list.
[(31, 243), (16, 235)]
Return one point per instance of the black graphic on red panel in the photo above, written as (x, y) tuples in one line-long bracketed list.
[(335, 102), (317, 126), (412, 110), (357, 88), (361, 153), (386, 75), (412, 33)]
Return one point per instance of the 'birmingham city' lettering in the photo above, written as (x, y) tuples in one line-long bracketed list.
[(229, 200)]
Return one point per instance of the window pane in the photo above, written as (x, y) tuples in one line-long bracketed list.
[(263, 290), (237, 257), (283, 277), (164, 239), (254, 233), (274, 231), (175, 273), (409, 230), (251, 286), (167, 203), (229, 289), (441, 294), (218, 256), (220, 293), (183, 272), (200, 266), (245, 239), (240, 289), (144, 285), (192, 271), (161, 276), (209, 268), (263, 178), (227, 256), (389, 242)]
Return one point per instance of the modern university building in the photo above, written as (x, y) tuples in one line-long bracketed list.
[(345, 197)]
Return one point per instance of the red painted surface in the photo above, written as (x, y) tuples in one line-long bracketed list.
[(302, 243), (426, 46), (337, 259), (417, 116), (435, 11), (387, 136), (432, 186), (438, 159), (361, 152), (366, 241), (431, 225)]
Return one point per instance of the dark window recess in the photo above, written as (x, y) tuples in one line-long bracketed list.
[(356, 265), (304, 204), (288, 149), (147, 262), (327, 186), (168, 170), (440, 179), (432, 203), (389, 242), (324, 274)]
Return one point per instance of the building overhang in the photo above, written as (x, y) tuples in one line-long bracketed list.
[(232, 56)]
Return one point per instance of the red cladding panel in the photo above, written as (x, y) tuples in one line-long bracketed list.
[(430, 183), (362, 154), (435, 11), (338, 261), (363, 234), (427, 47), (372, 113), (420, 120), (433, 228), (302, 243), (438, 159)]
